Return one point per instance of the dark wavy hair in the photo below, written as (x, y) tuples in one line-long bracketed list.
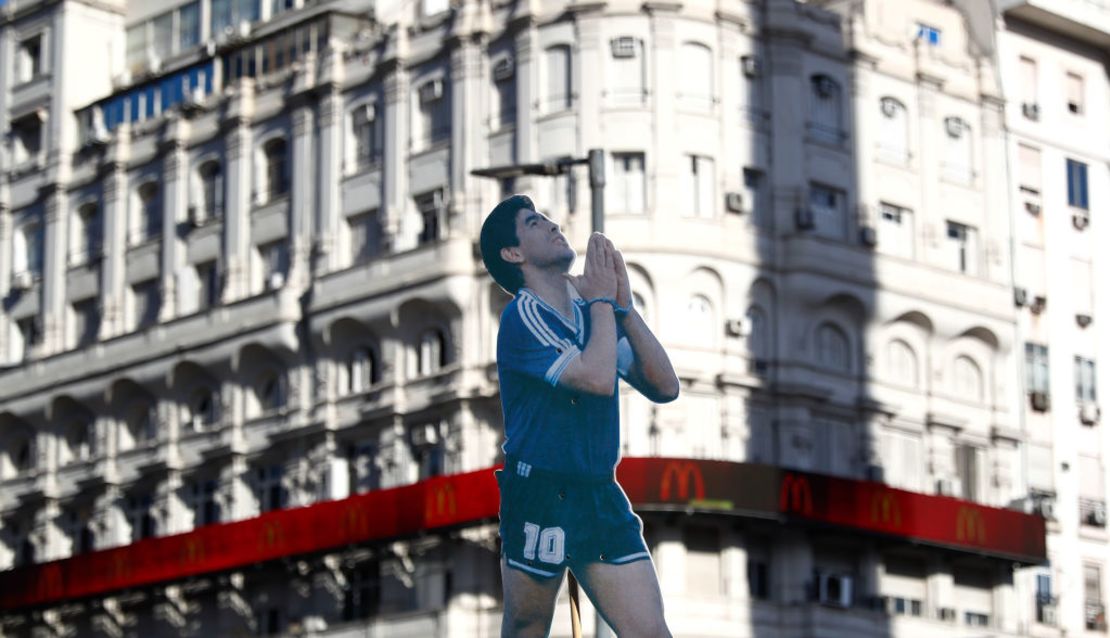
[(499, 231)]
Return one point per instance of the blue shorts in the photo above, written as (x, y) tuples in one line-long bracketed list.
[(551, 521)]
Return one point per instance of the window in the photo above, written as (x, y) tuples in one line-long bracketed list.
[(902, 363), (226, 14), (967, 379), (273, 264), (893, 132), (150, 211), (362, 370), (433, 114), (27, 138), (626, 190), (700, 320), (272, 392), (504, 90), (628, 69), (280, 6), (557, 66), (140, 424), (1085, 380), (431, 209), (28, 249), (1044, 589), (695, 80), (1074, 87), (208, 285), (832, 348), (432, 354), (957, 154), (80, 531), (188, 17), (30, 58), (25, 334), (826, 117), (1029, 169), (364, 471), (362, 598), (77, 442), (365, 236), (86, 322), (23, 460), (827, 207), (759, 584), (211, 190), (203, 500), (86, 234), (364, 128), (698, 185), (1077, 184), (162, 40), (277, 169), (755, 193), (758, 341), (204, 409), (1036, 368), (1028, 69), (146, 302), (896, 233), (1094, 611), (139, 516), (962, 247), (976, 619), (928, 34), (269, 490), (428, 451)]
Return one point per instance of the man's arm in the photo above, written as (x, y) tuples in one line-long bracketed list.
[(651, 372), (595, 370)]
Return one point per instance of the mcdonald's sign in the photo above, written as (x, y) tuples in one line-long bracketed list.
[(355, 521), (272, 535), (796, 494), (970, 526), (192, 551), (440, 501), (885, 508), (681, 473)]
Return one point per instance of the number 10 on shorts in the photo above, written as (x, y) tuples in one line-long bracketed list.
[(551, 541)]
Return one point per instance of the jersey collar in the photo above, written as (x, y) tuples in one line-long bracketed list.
[(578, 325)]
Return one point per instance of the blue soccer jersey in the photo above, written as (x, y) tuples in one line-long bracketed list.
[(547, 424)]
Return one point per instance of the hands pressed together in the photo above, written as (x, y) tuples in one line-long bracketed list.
[(605, 274)]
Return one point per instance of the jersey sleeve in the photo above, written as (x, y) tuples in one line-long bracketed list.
[(625, 356), (529, 345)]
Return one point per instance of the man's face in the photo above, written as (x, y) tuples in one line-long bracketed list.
[(542, 243)]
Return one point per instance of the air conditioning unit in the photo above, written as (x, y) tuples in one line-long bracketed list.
[(1021, 297), (954, 126), (1038, 305), (426, 434), (1031, 110), (1033, 208), (1048, 614), (1039, 401), (503, 69), (1083, 320), (431, 91), (1045, 506), (949, 487), (738, 327), (734, 202), (23, 280), (623, 47), (946, 614), (1097, 515), (835, 590), (803, 219), (1089, 414), (276, 280), (868, 236), (1080, 219), (752, 66)]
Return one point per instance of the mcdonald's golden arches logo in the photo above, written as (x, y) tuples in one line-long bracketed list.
[(885, 508), (970, 526), (440, 501), (680, 474), (272, 535), (796, 494), (355, 521), (192, 551)]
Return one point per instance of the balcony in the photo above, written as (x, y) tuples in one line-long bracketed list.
[(1084, 20)]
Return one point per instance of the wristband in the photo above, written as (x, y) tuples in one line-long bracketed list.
[(618, 310)]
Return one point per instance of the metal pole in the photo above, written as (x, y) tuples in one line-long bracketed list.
[(597, 189)]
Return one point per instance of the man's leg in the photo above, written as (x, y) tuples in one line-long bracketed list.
[(529, 603), (628, 597)]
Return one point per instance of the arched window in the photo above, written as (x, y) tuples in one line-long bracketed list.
[(211, 190), (641, 306), (432, 354), (700, 322), (204, 409), (902, 363), (366, 136), (957, 150), (967, 378), (503, 105), (893, 131), (826, 114), (557, 65), (28, 249), (86, 234), (695, 80), (272, 392), (141, 424), (759, 340), (150, 210), (23, 459), (832, 348), (628, 70), (362, 370), (277, 169), (77, 442)]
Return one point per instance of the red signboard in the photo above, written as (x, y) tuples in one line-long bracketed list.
[(651, 483)]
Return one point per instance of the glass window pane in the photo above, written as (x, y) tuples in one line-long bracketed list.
[(189, 26), (163, 36)]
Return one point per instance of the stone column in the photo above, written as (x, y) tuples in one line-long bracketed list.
[(939, 589), (175, 197), (331, 164), (302, 198), (115, 236), (670, 560), (238, 202), (526, 100), (5, 273), (396, 145), (785, 71), (54, 269), (667, 165), (463, 211)]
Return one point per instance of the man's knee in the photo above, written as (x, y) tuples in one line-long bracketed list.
[(647, 626)]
